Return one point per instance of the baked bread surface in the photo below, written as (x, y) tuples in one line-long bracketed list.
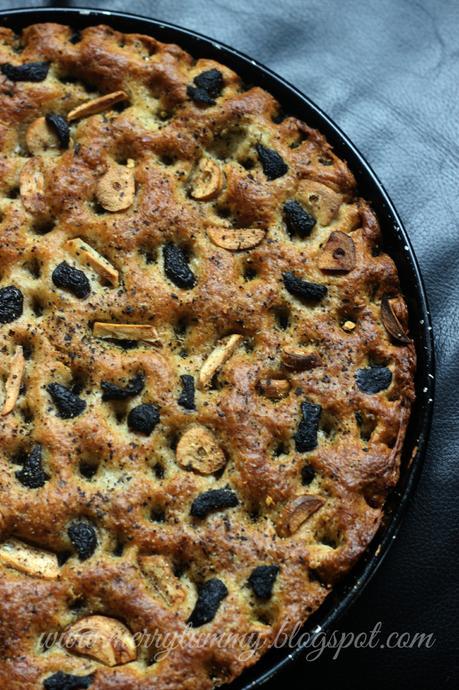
[(270, 363)]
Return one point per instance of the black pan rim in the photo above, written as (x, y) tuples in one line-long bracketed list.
[(398, 246)]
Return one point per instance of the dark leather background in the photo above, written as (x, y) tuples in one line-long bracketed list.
[(387, 71)]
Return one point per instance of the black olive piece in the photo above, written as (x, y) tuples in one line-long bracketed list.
[(32, 474), (199, 96), (67, 681), (143, 418), (373, 379), (186, 398), (11, 303), (306, 433), (30, 71), (68, 404), (211, 81), (75, 37), (214, 499), (262, 579), (72, 279), (111, 391), (307, 474), (303, 288), (271, 162), (176, 267), (84, 538), (210, 595), (297, 219), (60, 127), (208, 86)]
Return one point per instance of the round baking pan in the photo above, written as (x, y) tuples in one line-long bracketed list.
[(395, 243)]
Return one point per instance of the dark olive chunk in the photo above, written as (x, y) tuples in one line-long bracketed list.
[(111, 391), (303, 288), (307, 474), (271, 162), (32, 474), (214, 499), (84, 538), (11, 303), (68, 404), (306, 433), (75, 37), (176, 267), (262, 579), (72, 279), (297, 219), (210, 596), (208, 86), (186, 398), (373, 379), (199, 96), (60, 127), (30, 71), (143, 418), (211, 81), (67, 681)]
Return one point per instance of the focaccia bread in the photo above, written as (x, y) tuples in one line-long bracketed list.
[(205, 371)]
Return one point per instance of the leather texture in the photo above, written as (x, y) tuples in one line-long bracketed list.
[(387, 71)]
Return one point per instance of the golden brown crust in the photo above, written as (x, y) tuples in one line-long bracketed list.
[(249, 405)]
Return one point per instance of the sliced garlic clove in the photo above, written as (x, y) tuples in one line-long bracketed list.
[(338, 253), (298, 359), (207, 181), (391, 322), (323, 202), (296, 512), (125, 331), (41, 139), (217, 358), (116, 188), (29, 560), (32, 187), (102, 638), (14, 380), (82, 250), (236, 239), (198, 450), (97, 105)]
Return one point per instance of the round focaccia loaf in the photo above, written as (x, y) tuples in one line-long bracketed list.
[(206, 370)]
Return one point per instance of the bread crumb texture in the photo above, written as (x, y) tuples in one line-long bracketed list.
[(205, 375)]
